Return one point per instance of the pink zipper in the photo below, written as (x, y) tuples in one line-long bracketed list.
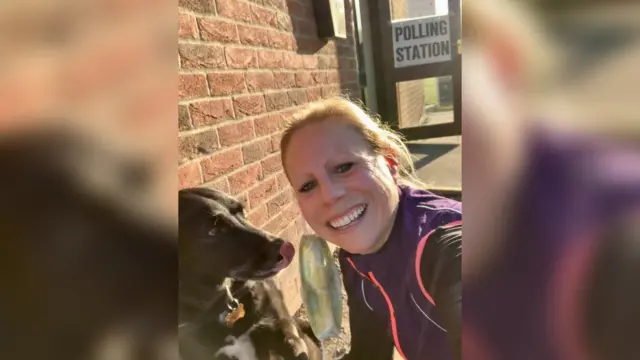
[(394, 327)]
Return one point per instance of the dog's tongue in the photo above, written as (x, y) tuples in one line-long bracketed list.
[(287, 251)]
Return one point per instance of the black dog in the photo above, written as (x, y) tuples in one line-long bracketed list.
[(82, 268), (229, 306)]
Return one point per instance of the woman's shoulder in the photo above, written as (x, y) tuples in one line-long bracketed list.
[(428, 207)]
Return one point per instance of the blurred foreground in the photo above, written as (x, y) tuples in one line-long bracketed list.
[(87, 193), (551, 175)]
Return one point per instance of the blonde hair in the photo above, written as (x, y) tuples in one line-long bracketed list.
[(515, 24), (380, 137)]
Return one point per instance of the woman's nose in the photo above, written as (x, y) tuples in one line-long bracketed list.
[(332, 191)]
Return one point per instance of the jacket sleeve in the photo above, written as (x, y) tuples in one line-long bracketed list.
[(440, 267), (612, 292), (369, 337)]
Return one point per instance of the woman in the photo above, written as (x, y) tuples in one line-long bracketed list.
[(400, 245)]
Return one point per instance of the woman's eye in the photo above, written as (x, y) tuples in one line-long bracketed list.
[(308, 186), (342, 168)]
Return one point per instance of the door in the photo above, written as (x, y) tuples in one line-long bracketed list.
[(411, 65)]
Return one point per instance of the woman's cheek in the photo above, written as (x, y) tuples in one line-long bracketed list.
[(307, 210)]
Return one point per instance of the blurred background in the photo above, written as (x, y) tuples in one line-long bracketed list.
[(87, 196), (88, 152), (551, 177)]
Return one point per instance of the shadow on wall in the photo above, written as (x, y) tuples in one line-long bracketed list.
[(332, 62)]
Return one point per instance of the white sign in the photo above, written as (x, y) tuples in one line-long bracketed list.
[(419, 41)]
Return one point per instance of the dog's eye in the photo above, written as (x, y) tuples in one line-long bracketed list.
[(237, 210), (215, 226)]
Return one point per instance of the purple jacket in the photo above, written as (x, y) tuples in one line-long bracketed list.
[(529, 306), (388, 284)]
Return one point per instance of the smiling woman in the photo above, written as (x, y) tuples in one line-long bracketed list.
[(354, 182)]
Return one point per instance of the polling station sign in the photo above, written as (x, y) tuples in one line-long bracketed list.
[(423, 40)]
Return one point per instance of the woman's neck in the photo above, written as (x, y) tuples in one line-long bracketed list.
[(386, 233)]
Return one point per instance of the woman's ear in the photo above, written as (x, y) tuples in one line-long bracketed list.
[(392, 163)]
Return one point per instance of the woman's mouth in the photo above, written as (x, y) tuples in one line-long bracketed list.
[(351, 218)]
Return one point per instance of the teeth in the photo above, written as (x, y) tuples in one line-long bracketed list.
[(347, 219)]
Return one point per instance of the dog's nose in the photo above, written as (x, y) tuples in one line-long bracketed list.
[(287, 251)]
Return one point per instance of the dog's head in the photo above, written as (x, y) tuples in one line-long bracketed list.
[(216, 239)]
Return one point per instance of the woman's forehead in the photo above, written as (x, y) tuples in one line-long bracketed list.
[(318, 145), (327, 137)]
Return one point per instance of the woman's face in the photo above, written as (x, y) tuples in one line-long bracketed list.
[(346, 192)]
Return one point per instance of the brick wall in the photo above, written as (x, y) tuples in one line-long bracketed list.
[(245, 68)]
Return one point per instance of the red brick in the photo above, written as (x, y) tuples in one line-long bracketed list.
[(303, 79), (221, 163), (257, 150), (284, 22), (297, 97), (310, 61), (276, 101), (333, 62), (277, 204), (220, 185), (264, 17), (284, 80), (319, 77), (330, 90), (329, 48), (268, 124), (226, 83), (262, 192), (189, 176), (275, 226), (258, 216), (239, 58), (346, 51), (280, 40), (271, 165), (218, 30), (234, 9), (236, 133), (195, 56), (269, 59), (197, 145), (259, 81), (184, 120), (248, 105), (210, 112), (314, 94), (188, 28), (250, 35), (290, 214), (333, 77), (293, 61), (276, 4), (192, 86), (275, 141), (348, 76), (351, 64), (324, 62), (244, 179), (283, 182), (203, 6)]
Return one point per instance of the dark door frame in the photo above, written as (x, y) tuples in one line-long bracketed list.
[(387, 75)]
